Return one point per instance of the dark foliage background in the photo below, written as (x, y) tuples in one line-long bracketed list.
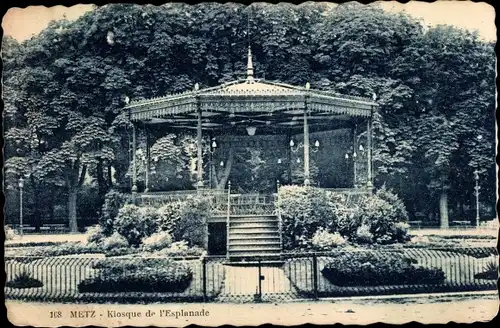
[(64, 90)]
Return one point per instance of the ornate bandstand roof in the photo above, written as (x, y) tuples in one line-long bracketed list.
[(248, 101)]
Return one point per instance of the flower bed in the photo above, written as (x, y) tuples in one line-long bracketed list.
[(374, 268), (175, 250), (138, 275), (122, 251), (68, 248)]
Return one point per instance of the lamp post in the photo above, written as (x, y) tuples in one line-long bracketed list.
[(146, 173), (295, 148), (300, 145), (476, 188), (21, 185), (355, 158), (213, 146)]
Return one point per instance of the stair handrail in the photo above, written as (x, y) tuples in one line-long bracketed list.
[(227, 217), (278, 212)]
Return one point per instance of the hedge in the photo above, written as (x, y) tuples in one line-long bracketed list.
[(303, 211), (138, 275), (377, 268), (135, 223)]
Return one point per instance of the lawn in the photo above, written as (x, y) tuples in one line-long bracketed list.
[(61, 276), (41, 238), (459, 270)]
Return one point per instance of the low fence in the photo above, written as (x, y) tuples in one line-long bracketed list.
[(63, 279), (293, 276)]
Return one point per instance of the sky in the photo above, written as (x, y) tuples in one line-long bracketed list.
[(22, 23)]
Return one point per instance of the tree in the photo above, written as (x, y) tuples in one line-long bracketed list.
[(66, 89), (173, 163), (67, 131), (455, 105)]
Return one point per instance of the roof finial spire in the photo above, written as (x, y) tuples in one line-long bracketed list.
[(250, 63), (250, 66)]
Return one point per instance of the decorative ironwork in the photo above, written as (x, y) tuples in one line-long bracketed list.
[(224, 203), (240, 96), (252, 204), (294, 276)]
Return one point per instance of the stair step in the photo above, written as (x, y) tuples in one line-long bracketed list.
[(253, 224), (252, 217), (253, 249), (253, 231), (254, 255), (256, 220), (246, 234), (250, 242), (245, 237)]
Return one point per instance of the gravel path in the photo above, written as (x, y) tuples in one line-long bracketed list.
[(241, 284), (39, 238)]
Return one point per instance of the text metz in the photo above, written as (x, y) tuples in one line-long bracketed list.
[(82, 314)]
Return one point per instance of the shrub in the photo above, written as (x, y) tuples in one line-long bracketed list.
[(157, 241), (400, 231), (114, 241), (113, 202), (135, 223), (120, 251), (10, 233), (24, 280), (398, 207), (192, 226), (324, 240), (122, 265), (175, 251), (95, 234), (363, 235), (376, 268), (180, 249), (386, 216), (138, 275), (179, 246), (303, 211), (168, 216), (348, 222)]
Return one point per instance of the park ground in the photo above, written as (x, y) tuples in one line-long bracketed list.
[(80, 237), (430, 308)]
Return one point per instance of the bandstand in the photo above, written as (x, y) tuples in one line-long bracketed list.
[(246, 224)]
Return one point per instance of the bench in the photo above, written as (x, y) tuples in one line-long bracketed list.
[(415, 223), (46, 228), (461, 223), (54, 228)]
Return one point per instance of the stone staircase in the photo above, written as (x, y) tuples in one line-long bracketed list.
[(253, 236)]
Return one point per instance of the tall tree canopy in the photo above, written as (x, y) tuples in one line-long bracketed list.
[(64, 89)]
